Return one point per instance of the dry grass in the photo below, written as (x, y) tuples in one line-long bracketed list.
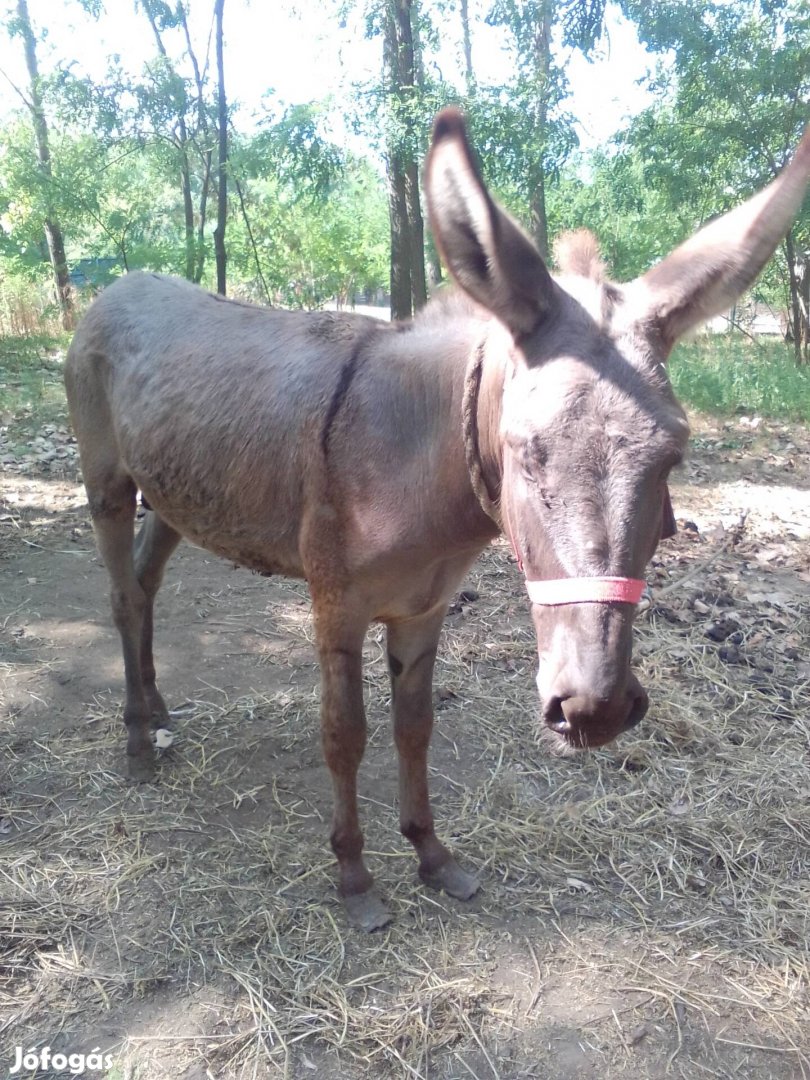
[(647, 903), (27, 308)]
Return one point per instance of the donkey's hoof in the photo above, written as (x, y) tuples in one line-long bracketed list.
[(450, 878), (140, 769), (366, 911)]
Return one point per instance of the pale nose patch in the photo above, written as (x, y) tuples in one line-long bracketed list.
[(593, 546), (597, 553), (539, 678)]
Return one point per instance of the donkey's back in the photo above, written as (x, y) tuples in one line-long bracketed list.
[(216, 410)]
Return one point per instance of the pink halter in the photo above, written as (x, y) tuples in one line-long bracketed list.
[(577, 590), (589, 590)]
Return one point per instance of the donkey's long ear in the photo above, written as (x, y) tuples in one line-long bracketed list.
[(485, 250), (706, 274)]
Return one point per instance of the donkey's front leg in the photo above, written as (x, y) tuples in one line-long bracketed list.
[(412, 647), (343, 731)]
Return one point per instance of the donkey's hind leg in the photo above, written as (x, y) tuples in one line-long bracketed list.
[(112, 507), (154, 545)]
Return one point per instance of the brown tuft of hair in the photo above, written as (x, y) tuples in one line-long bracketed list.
[(578, 252)]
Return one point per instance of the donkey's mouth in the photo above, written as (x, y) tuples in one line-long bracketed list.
[(568, 743), (581, 723)]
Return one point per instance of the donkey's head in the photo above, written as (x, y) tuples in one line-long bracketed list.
[(589, 426)]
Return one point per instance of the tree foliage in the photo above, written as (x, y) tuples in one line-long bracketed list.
[(22, 27), (133, 156), (734, 103)]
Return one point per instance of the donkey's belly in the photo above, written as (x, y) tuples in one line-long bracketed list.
[(261, 558), (258, 542)]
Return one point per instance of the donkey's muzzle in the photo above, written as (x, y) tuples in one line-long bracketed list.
[(586, 721)]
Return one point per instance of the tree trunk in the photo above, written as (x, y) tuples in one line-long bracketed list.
[(51, 225), (543, 62), (199, 264), (222, 174), (182, 143), (469, 77), (407, 228), (188, 211), (798, 265), (400, 266), (429, 254), (206, 154), (251, 237), (537, 209), (416, 237)]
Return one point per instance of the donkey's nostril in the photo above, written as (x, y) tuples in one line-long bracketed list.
[(593, 721), (638, 710), (555, 718)]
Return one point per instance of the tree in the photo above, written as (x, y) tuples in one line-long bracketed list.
[(546, 134), (531, 27), (408, 285), (738, 87), (51, 223), (310, 222), (222, 170), (466, 42), (168, 103), (315, 225)]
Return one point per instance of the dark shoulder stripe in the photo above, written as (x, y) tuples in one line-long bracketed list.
[(347, 373)]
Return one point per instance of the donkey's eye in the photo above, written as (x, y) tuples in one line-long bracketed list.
[(537, 452), (673, 459), (674, 463), (530, 468)]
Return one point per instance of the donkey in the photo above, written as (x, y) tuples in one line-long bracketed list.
[(377, 460)]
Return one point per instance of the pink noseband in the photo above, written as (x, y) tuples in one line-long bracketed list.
[(589, 590), (578, 590)]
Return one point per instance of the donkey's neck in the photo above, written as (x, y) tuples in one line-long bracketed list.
[(463, 360), (481, 414)]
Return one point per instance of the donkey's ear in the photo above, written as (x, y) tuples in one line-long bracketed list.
[(486, 251), (705, 275)]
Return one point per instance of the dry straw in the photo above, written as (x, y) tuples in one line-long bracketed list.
[(644, 908)]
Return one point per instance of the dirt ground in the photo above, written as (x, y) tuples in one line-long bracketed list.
[(644, 908)]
